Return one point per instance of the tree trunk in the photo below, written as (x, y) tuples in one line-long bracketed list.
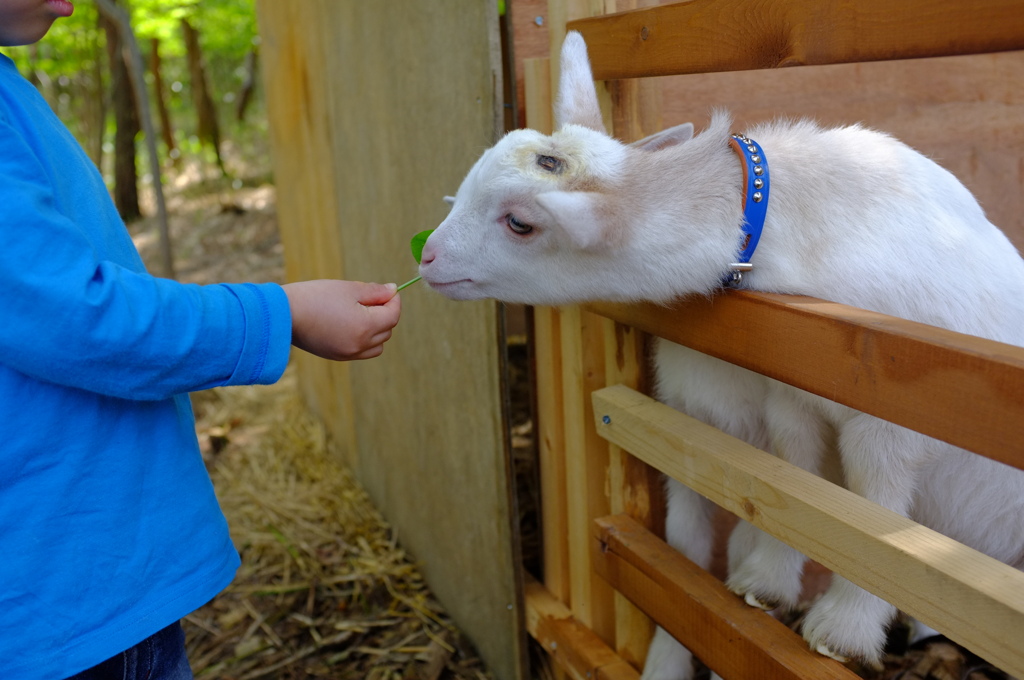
[(131, 58), (166, 131), (206, 112), (33, 54), (126, 191), (249, 86), (95, 107)]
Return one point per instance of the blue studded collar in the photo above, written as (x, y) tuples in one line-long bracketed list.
[(755, 202)]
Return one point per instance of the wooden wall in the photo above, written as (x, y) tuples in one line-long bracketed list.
[(966, 113), (376, 112)]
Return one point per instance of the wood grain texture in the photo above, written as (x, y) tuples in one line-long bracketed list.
[(958, 388), (576, 648), (963, 112), (701, 36), (547, 342), (982, 600), (312, 249), (358, 99), (587, 461), (737, 641), (635, 488), (528, 20), (554, 509)]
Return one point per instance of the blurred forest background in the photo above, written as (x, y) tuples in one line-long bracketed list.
[(199, 61)]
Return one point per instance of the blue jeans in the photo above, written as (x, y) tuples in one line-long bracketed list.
[(158, 657)]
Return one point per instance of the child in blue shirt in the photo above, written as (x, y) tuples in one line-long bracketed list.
[(109, 528)]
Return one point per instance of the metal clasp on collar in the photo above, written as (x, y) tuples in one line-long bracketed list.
[(736, 272)]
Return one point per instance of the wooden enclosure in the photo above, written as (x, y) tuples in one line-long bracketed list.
[(606, 572), (377, 110)]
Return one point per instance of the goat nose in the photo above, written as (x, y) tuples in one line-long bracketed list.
[(428, 254)]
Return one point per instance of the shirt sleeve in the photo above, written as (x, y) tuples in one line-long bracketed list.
[(72, 315)]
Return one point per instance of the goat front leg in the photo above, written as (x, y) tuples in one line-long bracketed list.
[(763, 570), (768, 573), (727, 397), (881, 461), (688, 529)]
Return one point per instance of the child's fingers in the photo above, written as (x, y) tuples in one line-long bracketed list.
[(380, 338), (386, 315), (370, 353), (374, 294)]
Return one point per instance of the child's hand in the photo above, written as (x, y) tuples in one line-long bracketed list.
[(342, 320)]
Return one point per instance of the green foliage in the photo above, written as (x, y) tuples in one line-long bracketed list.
[(162, 20), (227, 27), (70, 65)]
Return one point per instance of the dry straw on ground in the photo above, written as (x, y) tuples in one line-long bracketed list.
[(324, 590)]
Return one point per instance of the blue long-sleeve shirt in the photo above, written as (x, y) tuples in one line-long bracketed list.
[(109, 527)]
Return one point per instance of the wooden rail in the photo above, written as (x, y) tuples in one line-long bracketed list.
[(982, 600), (965, 390), (696, 607), (576, 648), (704, 36)]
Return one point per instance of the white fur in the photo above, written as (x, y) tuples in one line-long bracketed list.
[(855, 217)]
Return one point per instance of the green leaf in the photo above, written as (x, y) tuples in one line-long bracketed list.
[(417, 243)]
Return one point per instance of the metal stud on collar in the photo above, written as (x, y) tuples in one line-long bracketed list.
[(755, 203)]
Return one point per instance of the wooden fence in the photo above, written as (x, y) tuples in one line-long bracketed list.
[(607, 575), (375, 112)]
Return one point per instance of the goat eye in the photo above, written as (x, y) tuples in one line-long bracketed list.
[(550, 163), (521, 228)]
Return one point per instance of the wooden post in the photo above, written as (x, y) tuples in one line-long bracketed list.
[(359, 170), (548, 367)]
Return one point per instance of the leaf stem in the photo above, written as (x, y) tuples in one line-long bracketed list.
[(408, 283)]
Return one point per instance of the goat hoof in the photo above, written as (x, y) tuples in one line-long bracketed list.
[(824, 650), (752, 600)]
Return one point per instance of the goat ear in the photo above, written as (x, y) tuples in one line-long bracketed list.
[(666, 138), (577, 97), (580, 214)]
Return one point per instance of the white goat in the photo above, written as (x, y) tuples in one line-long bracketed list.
[(854, 216)]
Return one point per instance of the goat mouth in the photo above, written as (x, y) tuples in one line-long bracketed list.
[(459, 289)]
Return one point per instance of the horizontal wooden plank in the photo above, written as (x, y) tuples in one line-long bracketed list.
[(733, 639), (576, 648), (958, 388), (974, 599), (705, 36)]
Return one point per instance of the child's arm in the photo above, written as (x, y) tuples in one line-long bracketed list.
[(342, 320)]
